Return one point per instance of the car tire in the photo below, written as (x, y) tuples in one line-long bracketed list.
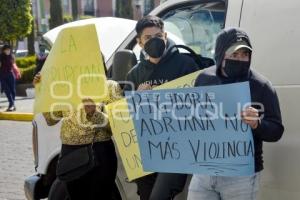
[(58, 191)]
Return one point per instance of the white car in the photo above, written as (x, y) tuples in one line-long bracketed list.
[(21, 53), (272, 27)]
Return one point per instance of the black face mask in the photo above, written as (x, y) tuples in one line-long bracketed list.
[(236, 68), (155, 47)]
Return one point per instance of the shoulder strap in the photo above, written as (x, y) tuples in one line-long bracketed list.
[(202, 62)]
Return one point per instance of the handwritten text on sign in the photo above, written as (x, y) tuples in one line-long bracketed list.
[(194, 130), (124, 133), (73, 71)]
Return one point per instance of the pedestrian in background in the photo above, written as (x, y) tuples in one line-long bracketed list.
[(7, 77)]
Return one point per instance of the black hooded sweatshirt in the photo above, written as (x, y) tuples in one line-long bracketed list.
[(270, 129), (171, 66)]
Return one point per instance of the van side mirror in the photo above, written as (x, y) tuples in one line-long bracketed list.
[(123, 61)]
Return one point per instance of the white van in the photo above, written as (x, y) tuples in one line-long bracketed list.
[(275, 36)]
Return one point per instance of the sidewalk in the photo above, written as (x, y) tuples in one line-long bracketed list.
[(24, 110)]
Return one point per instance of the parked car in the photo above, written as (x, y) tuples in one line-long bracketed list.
[(21, 53), (272, 27)]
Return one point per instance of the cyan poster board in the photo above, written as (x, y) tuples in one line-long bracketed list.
[(194, 130)]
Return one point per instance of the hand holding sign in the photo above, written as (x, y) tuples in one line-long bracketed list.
[(37, 79), (250, 116), (124, 133), (194, 130), (144, 86)]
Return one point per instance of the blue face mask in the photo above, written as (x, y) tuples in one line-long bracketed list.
[(236, 68)]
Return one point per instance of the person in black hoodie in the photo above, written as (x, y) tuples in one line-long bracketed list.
[(233, 57), (160, 63)]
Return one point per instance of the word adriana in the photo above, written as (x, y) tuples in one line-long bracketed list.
[(198, 124)]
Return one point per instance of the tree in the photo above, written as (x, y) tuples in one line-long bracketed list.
[(31, 38), (74, 10), (56, 13), (15, 20), (124, 9)]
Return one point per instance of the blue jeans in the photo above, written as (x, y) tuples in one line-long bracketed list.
[(160, 186), (8, 85), (204, 187)]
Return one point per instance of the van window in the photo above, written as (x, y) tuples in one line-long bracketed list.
[(197, 26)]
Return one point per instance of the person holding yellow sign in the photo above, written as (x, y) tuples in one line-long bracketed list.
[(86, 133)]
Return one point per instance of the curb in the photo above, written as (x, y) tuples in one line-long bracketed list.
[(14, 116)]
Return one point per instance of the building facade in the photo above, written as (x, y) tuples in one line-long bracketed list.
[(96, 8)]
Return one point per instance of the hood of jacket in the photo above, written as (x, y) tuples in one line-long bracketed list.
[(225, 39)]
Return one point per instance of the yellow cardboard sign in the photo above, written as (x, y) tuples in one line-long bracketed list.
[(182, 82), (123, 128), (73, 71)]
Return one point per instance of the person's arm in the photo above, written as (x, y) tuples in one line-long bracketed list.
[(114, 92), (270, 128), (94, 116), (100, 120), (98, 116), (38, 67), (53, 118)]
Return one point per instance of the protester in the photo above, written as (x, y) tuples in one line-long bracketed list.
[(233, 53), (87, 127), (159, 63)]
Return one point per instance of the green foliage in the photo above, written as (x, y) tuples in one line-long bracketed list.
[(25, 62), (67, 18), (27, 74), (27, 68), (15, 19), (86, 17)]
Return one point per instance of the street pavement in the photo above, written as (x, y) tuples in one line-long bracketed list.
[(16, 157), (23, 104)]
